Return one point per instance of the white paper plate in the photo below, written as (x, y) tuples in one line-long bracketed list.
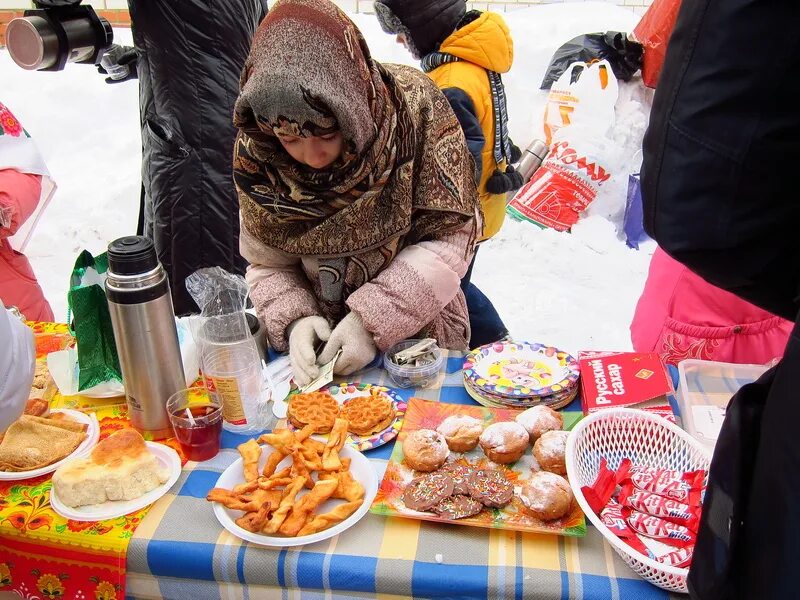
[(362, 471), (92, 435), (111, 510)]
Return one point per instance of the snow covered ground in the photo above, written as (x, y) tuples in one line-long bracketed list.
[(577, 291)]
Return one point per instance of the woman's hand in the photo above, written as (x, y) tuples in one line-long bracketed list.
[(357, 345), (304, 335)]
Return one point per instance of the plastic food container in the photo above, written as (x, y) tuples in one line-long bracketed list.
[(410, 376), (705, 389)]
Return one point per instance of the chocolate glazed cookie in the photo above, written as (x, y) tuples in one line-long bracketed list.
[(460, 474), (490, 487), (423, 493), (458, 507)]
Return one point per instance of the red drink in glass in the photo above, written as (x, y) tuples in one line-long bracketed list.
[(197, 423), (200, 442)]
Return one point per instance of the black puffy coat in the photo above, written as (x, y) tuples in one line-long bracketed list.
[(190, 57), (719, 185)]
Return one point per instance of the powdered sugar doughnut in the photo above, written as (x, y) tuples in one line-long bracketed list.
[(547, 496), (504, 442), (425, 450), (549, 451), (540, 419), (461, 432)]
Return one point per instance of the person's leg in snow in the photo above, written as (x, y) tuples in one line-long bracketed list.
[(485, 323)]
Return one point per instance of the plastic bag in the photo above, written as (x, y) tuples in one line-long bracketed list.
[(624, 55), (222, 298), (634, 214), (584, 100), (567, 182), (91, 322), (653, 32)]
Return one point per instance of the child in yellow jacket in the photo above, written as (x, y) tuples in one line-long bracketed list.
[(465, 53)]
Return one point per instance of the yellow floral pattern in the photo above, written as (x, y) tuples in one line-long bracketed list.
[(105, 591), (50, 586)]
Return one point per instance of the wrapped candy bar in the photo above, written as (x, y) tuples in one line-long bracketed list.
[(684, 487), (660, 506), (612, 518), (659, 529), (680, 557), (600, 492)]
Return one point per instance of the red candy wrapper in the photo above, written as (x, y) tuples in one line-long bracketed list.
[(613, 519), (659, 529), (680, 557), (600, 492), (684, 487), (660, 506)]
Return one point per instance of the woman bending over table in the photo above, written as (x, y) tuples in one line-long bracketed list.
[(358, 202)]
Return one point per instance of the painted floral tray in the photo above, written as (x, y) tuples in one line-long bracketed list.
[(521, 369), (424, 414)]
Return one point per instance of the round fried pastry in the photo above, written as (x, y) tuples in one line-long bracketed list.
[(368, 414), (319, 409), (458, 506), (546, 496), (423, 493), (490, 487)]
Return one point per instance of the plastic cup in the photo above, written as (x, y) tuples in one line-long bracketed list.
[(197, 423)]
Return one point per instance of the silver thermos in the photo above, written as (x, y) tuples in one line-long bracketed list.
[(144, 329), (532, 159)]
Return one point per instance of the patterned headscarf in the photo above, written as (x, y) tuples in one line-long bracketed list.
[(405, 174)]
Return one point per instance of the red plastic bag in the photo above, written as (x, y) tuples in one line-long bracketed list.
[(653, 32)]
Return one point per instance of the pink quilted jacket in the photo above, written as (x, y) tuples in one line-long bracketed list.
[(19, 195), (681, 316)]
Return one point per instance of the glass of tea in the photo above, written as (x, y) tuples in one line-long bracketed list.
[(197, 423)]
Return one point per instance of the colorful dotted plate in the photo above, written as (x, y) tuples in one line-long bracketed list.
[(345, 391), (521, 370)]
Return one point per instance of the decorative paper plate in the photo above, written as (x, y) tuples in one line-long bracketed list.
[(362, 471), (521, 369), (556, 401), (423, 414), (92, 435), (111, 510), (345, 391)]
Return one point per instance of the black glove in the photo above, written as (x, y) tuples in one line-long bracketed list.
[(502, 183), (119, 56)]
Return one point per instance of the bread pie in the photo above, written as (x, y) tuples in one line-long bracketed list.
[(121, 467)]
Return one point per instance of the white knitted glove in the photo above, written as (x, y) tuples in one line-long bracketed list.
[(358, 347), (304, 335)]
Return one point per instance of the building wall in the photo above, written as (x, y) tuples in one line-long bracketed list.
[(116, 11)]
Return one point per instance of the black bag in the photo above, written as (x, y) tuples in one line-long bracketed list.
[(624, 55), (747, 544)]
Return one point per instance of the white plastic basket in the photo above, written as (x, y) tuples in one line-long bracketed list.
[(646, 439)]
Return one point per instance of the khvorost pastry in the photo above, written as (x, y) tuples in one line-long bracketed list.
[(504, 442), (425, 450), (368, 414), (319, 409), (461, 432), (546, 496), (121, 467), (539, 420)]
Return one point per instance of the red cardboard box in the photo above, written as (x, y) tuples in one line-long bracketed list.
[(624, 379)]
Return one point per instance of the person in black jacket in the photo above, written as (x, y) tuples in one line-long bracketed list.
[(188, 58), (720, 196)]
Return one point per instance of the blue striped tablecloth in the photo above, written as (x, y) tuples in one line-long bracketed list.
[(181, 552)]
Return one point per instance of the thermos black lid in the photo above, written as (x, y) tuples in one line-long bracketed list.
[(132, 255)]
